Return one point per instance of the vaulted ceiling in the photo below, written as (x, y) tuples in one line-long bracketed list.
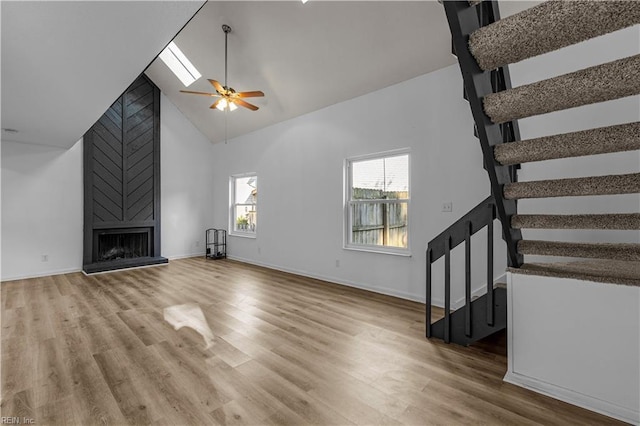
[(303, 56), (64, 63)]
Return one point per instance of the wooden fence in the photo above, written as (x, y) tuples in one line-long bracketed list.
[(379, 223)]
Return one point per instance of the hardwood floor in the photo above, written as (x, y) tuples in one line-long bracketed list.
[(287, 350)]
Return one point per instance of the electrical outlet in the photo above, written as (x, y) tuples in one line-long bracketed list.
[(447, 207), (44, 258), (337, 263), (258, 249), (196, 244)]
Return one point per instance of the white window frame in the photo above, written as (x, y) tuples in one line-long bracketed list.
[(348, 244), (233, 204)]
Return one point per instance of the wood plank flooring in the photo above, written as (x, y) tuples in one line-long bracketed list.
[(84, 350)]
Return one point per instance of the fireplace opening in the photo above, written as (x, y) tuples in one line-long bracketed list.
[(122, 245)]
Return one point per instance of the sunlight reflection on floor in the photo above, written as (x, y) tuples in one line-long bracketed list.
[(190, 315)]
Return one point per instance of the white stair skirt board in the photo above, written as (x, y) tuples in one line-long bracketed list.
[(576, 341)]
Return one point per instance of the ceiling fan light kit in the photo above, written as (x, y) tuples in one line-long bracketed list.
[(229, 98), (223, 104)]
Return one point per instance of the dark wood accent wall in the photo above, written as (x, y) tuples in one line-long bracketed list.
[(122, 167), (104, 144)]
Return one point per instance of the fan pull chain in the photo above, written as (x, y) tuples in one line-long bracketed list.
[(226, 124)]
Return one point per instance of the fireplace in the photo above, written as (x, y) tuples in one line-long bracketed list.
[(114, 244), (122, 183), (120, 248)]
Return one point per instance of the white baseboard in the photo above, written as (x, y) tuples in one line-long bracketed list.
[(480, 291), (575, 398), (42, 274), (72, 270), (185, 256), (381, 290), (501, 279), (385, 291)]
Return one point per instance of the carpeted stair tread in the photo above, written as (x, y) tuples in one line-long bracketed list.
[(629, 221), (613, 80), (548, 27), (622, 137), (612, 251), (604, 271), (571, 187)]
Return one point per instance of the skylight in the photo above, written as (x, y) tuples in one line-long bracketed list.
[(179, 64)]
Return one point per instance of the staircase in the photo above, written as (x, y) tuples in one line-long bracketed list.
[(485, 45)]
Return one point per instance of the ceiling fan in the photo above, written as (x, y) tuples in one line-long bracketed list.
[(229, 98)]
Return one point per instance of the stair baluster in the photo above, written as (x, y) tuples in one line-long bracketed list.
[(467, 279), (447, 290), (490, 315), (468, 329), (428, 306)]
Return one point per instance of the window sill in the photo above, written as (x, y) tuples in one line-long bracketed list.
[(369, 249), (243, 235)]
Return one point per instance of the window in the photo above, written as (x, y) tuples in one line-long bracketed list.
[(244, 203), (377, 202), (177, 62)]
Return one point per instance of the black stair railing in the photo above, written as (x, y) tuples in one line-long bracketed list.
[(463, 20), (480, 217)]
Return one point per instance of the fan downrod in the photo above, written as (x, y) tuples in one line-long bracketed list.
[(227, 30)]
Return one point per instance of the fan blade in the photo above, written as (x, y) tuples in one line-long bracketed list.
[(215, 104), (254, 94), (199, 93), (245, 104), (217, 86)]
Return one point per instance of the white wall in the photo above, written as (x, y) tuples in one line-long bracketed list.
[(42, 200), (300, 168), (300, 164), (300, 173), (186, 179), (41, 209), (582, 348)]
